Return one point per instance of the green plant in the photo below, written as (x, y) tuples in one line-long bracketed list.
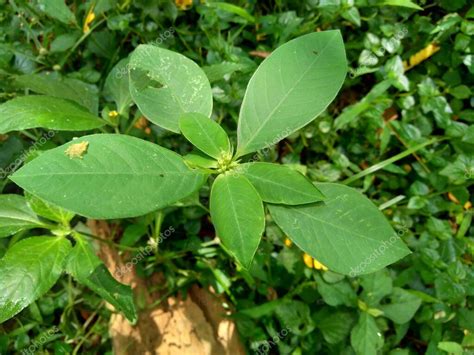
[(111, 176)]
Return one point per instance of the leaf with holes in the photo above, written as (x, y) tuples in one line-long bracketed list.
[(165, 85)]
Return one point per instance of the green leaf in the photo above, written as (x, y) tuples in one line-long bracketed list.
[(165, 85), (117, 176), (290, 89), (198, 159), (403, 306), (451, 347), (46, 112), (234, 9), (48, 210), (335, 326), (296, 317), (366, 338), (280, 184), (58, 10), (376, 286), (117, 85), (402, 3), (28, 270), (238, 216), (84, 265), (205, 134), (346, 232), (16, 215), (337, 294), (64, 88)]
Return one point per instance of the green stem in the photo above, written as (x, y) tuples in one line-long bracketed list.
[(389, 161), (79, 41)]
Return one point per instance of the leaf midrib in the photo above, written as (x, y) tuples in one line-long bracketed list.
[(270, 115)]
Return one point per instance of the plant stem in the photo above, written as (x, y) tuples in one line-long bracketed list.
[(389, 161)]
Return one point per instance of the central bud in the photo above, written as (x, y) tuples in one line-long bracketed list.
[(225, 162)]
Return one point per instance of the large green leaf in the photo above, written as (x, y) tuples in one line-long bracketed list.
[(280, 184), (65, 88), (165, 85), (16, 215), (366, 338), (346, 232), (205, 134), (84, 265), (117, 85), (117, 176), (28, 270), (49, 112), (238, 215), (290, 88)]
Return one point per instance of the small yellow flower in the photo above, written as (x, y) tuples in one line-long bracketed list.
[(184, 4), (313, 263), (319, 266), (89, 18), (421, 56), (467, 205), (288, 242), (308, 260), (113, 114)]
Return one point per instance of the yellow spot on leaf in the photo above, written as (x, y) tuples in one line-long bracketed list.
[(421, 56), (89, 18), (77, 150)]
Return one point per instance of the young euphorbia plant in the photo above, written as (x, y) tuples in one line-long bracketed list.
[(110, 176)]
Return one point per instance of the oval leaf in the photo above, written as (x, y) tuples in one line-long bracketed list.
[(280, 184), (165, 85), (46, 112), (205, 134), (28, 270), (346, 232), (16, 215), (117, 176), (290, 88), (238, 216)]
